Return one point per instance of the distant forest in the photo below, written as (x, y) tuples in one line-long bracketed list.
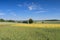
[(52, 20), (24, 21), (27, 21)]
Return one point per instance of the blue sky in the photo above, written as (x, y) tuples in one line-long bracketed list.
[(25, 9)]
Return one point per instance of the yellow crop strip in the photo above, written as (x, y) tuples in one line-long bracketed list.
[(32, 25), (38, 25)]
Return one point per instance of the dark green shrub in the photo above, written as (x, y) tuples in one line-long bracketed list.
[(24, 22), (30, 21), (10, 21), (2, 20)]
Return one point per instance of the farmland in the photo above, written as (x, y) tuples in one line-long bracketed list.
[(20, 31), (29, 19)]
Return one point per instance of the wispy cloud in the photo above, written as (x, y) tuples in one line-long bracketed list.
[(13, 14), (31, 6), (41, 11), (34, 6), (1, 14)]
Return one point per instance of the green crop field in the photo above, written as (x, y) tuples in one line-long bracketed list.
[(8, 32)]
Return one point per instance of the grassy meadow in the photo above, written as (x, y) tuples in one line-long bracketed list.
[(20, 31)]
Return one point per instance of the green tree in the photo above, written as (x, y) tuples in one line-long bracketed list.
[(2, 20), (10, 21), (25, 21), (30, 21)]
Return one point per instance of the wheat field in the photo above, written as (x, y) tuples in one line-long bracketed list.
[(20, 31), (31, 25), (39, 25)]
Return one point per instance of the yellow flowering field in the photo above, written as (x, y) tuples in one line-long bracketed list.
[(38, 25), (31, 25)]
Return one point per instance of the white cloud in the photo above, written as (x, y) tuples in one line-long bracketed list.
[(35, 6), (41, 11), (30, 8)]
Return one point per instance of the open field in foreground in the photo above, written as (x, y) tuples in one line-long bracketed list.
[(15, 31)]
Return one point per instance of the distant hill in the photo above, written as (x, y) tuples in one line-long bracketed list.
[(52, 20)]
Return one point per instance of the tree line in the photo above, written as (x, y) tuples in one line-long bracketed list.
[(25, 21)]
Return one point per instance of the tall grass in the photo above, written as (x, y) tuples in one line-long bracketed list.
[(28, 33)]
